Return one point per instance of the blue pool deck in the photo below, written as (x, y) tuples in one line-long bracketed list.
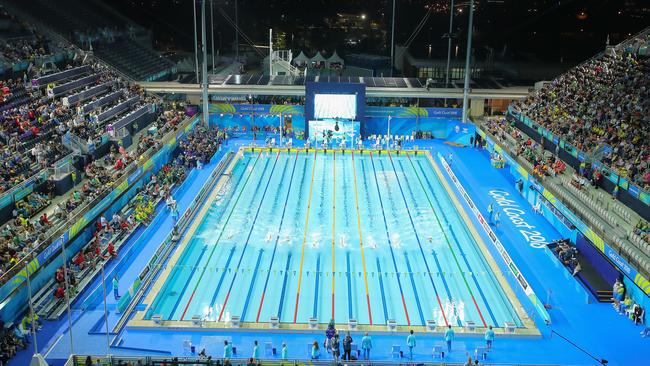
[(594, 327)]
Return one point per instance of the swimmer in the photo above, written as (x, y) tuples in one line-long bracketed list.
[(269, 236), (372, 244), (430, 239)]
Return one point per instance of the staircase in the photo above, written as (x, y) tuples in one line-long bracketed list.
[(605, 296), (281, 64)]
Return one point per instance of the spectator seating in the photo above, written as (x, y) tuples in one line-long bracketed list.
[(111, 37), (602, 104), (134, 60)]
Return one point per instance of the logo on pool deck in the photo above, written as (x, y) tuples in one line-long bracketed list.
[(516, 216)]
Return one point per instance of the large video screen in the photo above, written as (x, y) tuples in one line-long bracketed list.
[(343, 106), (337, 130)]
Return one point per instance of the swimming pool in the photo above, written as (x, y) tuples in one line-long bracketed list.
[(332, 235)]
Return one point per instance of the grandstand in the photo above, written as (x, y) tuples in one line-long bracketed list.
[(95, 26), (134, 231)]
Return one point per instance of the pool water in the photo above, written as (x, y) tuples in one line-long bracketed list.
[(333, 236)]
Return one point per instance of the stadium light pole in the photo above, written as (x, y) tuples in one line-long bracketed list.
[(32, 314), (108, 339), (237, 31), (196, 44), (212, 31), (451, 22), (204, 49), (392, 42), (468, 59)]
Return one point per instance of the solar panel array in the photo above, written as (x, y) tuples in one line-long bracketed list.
[(371, 82)]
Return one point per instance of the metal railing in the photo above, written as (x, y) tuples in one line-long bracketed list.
[(75, 216)]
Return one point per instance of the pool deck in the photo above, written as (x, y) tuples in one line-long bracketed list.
[(594, 327)]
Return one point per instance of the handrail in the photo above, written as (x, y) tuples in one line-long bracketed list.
[(74, 218)]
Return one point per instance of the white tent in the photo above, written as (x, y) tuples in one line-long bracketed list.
[(300, 60), (318, 60), (334, 60)]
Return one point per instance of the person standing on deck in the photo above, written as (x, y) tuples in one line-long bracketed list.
[(410, 342), (366, 346), (256, 351), (329, 334), (489, 337), (284, 354), (227, 350), (347, 346), (336, 350), (449, 336), (116, 288), (497, 219), (490, 210)]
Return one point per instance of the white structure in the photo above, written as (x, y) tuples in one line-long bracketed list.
[(318, 61), (279, 61), (334, 61), (301, 60)]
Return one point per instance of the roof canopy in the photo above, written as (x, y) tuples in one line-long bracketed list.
[(300, 59), (335, 58), (318, 58)]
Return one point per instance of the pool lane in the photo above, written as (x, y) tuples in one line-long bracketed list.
[(380, 287), (304, 240), (361, 248), (495, 302), (390, 243), (169, 299), (201, 266), (415, 232), (275, 245), (450, 239), (256, 252)]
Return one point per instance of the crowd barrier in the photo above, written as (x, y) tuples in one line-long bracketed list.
[(44, 80), (117, 109), (102, 101), (86, 94), (75, 84)]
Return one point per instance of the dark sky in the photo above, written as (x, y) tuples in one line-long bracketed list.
[(529, 29)]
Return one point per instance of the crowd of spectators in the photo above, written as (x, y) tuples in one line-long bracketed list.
[(20, 42), (601, 104), (543, 164), (199, 147), (642, 229)]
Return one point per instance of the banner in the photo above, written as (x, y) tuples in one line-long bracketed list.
[(377, 111), (256, 109), (370, 111)]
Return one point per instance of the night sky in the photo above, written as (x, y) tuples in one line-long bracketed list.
[(568, 30)]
